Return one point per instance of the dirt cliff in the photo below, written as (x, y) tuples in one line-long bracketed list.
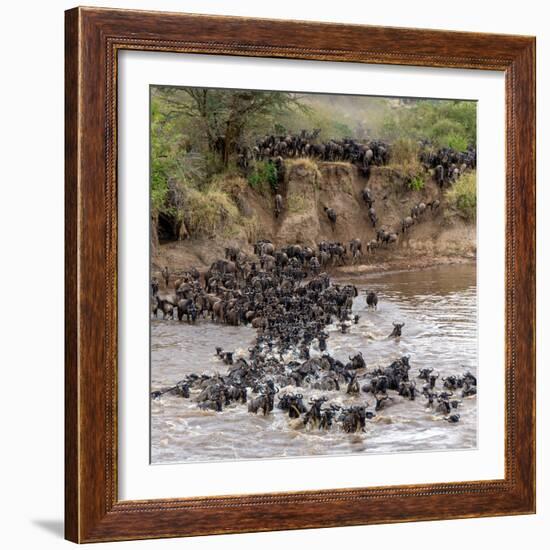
[(439, 237)]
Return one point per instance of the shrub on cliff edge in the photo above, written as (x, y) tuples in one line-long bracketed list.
[(463, 195)]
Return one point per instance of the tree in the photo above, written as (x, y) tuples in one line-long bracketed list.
[(224, 116)]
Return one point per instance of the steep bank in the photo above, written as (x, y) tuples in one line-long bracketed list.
[(440, 237)]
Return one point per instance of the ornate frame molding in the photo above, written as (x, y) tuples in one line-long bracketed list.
[(93, 39)]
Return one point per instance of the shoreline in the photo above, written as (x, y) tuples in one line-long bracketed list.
[(395, 264), (399, 264)]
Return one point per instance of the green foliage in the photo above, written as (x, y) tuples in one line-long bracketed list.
[(159, 185), (463, 195), (446, 123), (196, 132), (263, 174), (457, 142), (218, 120), (416, 183), (170, 158), (160, 162), (317, 112)]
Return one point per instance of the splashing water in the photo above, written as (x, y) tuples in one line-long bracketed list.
[(439, 309)]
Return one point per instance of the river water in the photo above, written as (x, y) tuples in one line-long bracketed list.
[(439, 309)]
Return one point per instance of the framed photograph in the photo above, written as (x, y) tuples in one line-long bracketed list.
[(300, 275)]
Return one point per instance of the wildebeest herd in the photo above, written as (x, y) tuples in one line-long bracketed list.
[(444, 164), (447, 163), (384, 236), (286, 294), (289, 299), (305, 144)]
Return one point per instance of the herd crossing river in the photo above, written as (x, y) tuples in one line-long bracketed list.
[(439, 309)]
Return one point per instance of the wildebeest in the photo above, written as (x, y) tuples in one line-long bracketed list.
[(366, 195), (389, 238), (166, 303), (432, 379), (313, 416), (293, 403), (188, 308), (396, 332), (418, 210), (354, 418), (406, 224), (434, 205), (376, 385), (372, 216), (282, 293), (407, 389), (264, 401), (355, 249), (382, 401), (278, 205), (154, 286), (166, 275), (372, 299), (327, 416), (331, 214), (372, 245), (424, 374), (357, 361), (439, 174)]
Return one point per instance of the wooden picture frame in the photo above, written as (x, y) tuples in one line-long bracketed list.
[(93, 511)]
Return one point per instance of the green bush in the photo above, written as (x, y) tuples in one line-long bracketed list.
[(263, 173), (463, 195), (446, 123), (457, 142), (159, 185), (416, 183)]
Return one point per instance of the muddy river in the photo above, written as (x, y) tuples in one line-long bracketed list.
[(439, 309)]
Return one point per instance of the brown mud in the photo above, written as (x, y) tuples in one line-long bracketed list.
[(441, 237)]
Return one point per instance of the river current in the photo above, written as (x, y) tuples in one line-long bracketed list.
[(439, 309)]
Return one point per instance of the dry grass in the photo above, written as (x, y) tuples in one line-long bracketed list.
[(230, 184), (251, 228), (307, 164), (463, 196), (404, 156), (297, 203), (210, 212)]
